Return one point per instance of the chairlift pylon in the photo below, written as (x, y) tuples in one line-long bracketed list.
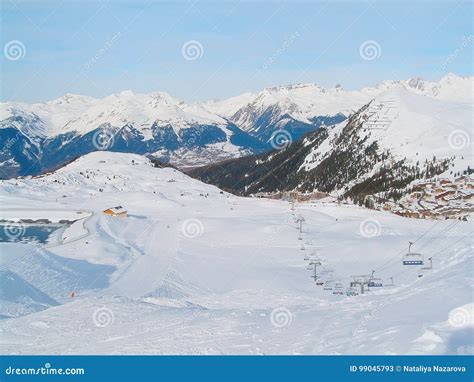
[(423, 270)]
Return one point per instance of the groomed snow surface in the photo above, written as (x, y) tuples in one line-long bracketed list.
[(194, 270)]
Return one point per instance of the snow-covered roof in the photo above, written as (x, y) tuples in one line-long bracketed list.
[(117, 209)]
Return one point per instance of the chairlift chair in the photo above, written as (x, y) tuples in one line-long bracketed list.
[(351, 291), (429, 267), (412, 258), (338, 289), (328, 285), (375, 283)]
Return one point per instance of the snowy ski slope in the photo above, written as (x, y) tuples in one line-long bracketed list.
[(194, 270)]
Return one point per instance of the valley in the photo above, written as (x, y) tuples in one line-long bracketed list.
[(193, 269)]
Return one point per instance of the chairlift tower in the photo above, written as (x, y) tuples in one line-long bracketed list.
[(315, 264), (300, 222), (361, 281)]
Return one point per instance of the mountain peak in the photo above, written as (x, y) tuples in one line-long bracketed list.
[(70, 98)]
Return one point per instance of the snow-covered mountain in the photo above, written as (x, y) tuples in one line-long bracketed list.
[(383, 149), (43, 136), (195, 270), (298, 108)]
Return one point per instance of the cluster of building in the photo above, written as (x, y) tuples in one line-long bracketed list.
[(443, 198), (292, 195), (437, 199)]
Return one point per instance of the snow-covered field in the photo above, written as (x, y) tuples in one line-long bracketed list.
[(194, 270)]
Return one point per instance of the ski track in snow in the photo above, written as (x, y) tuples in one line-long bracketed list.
[(235, 282)]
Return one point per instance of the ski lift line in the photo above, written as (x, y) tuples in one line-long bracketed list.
[(432, 241), (437, 253), (384, 265), (448, 229), (450, 245)]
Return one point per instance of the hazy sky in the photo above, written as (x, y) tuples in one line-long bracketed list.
[(198, 50)]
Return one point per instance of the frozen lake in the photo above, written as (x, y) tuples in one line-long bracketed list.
[(29, 233)]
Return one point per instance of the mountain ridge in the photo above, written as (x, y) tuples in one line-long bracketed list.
[(42, 136)]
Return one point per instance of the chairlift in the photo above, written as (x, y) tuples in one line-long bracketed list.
[(338, 289), (428, 268), (352, 291), (412, 258), (309, 267), (306, 257), (328, 285), (375, 283), (423, 270)]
